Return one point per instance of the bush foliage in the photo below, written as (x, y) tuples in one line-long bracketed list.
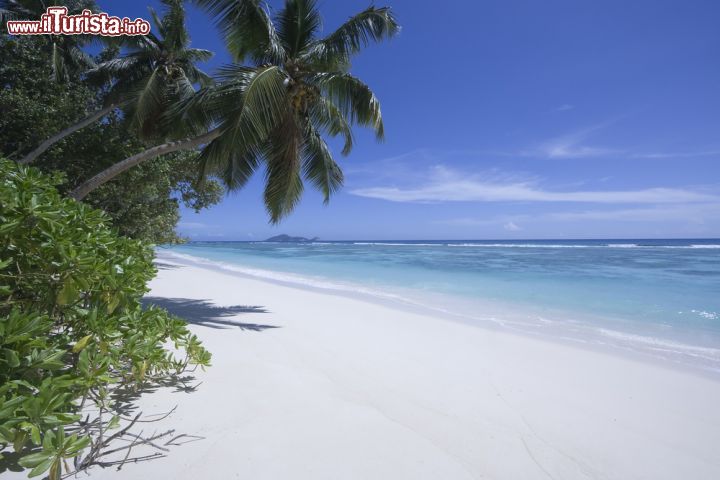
[(143, 203), (72, 328)]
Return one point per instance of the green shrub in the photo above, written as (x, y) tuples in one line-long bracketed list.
[(72, 329)]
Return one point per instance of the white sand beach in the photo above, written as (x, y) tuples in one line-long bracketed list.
[(346, 389)]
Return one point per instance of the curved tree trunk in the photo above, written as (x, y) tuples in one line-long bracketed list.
[(32, 156), (109, 173)]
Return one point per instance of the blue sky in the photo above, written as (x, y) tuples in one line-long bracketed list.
[(515, 119)]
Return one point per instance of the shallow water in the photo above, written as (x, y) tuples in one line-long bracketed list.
[(654, 297)]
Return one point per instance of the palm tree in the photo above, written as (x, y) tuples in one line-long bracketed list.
[(67, 57), (156, 71), (276, 112)]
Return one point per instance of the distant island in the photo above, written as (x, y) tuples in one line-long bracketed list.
[(288, 239)]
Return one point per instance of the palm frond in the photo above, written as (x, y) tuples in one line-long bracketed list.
[(264, 102), (197, 55), (150, 42), (116, 43), (157, 21), (247, 28), (182, 88), (175, 35), (371, 25), (353, 98), (246, 125), (193, 115), (117, 67), (326, 117), (213, 104), (234, 171), (283, 181), (197, 76), (318, 165), (298, 22), (80, 58), (147, 102), (120, 74)]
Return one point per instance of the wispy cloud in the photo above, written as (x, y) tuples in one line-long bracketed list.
[(661, 155), (447, 185), (564, 107), (693, 214), (573, 145)]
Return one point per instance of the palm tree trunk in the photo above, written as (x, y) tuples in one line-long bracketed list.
[(109, 173), (32, 156)]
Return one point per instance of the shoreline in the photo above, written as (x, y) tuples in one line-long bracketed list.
[(505, 318), (307, 385)]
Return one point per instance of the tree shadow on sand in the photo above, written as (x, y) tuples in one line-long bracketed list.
[(165, 266), (202, 312)]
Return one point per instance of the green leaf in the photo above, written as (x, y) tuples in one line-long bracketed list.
[(11, 357), (42, 467), (68, 293), (55, 470), (35, 459), (78, 444), (35, 435), (112, 303), (48, 442), (6, 434), (81, 344), (114, 422), (19, 441)]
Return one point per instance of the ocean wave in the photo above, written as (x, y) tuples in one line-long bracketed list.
[(701, 246), (388, 244), (706, 315), (519, 245), (509, 245), (286, 277), (609, 245), (663, 345)]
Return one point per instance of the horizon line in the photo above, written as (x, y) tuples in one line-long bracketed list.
[(471, 239)]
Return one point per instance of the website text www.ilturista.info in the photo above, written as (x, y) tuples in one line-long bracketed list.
[(56, 21)]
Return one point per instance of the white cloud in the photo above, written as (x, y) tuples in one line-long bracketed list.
[(571, 145), (572, 150), (695, 214), (512, 227), (449, 186), (661, 155), (565, 107)]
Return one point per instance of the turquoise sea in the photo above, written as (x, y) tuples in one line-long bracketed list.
[(653, 298)]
